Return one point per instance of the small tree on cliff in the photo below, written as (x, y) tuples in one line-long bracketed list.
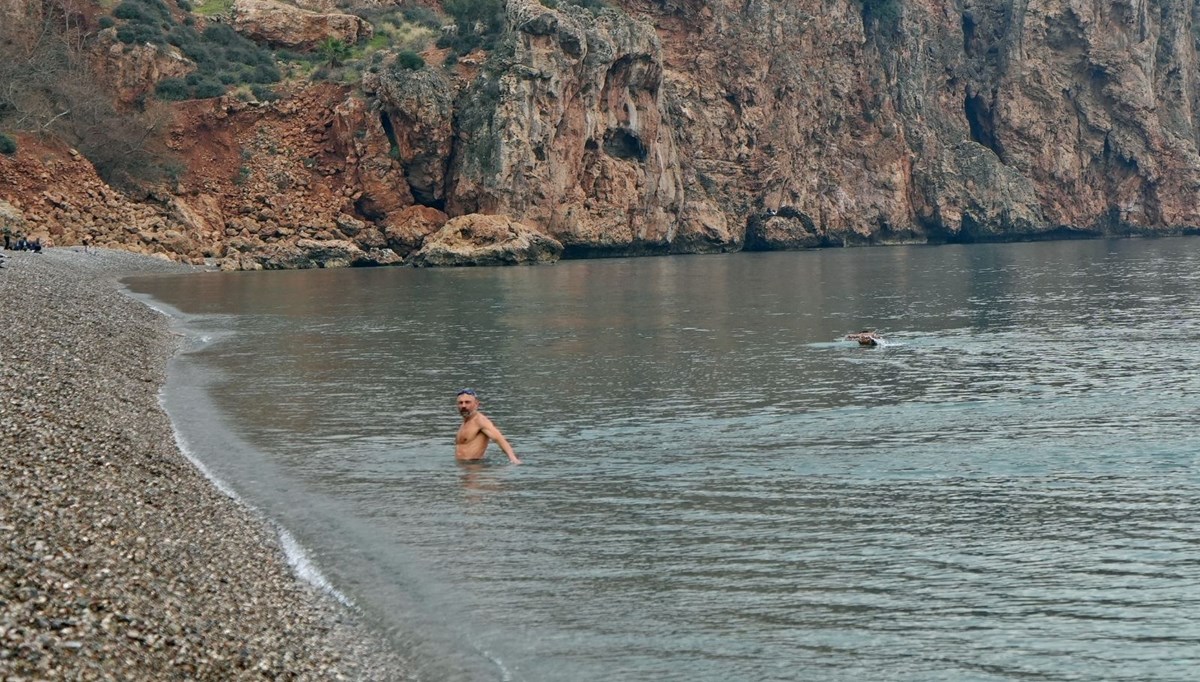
[(333, 51)]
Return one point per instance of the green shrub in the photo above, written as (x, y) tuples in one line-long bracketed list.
[(106, 22), (263, 94), (8, 145), (136, 34), (468, 13), (208, 88), (172, 89), (422, 16), (263, 74), (142, 11), (410, 60), (479, 23), (221, 34)]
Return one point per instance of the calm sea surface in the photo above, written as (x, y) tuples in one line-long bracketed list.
[(716, 487)]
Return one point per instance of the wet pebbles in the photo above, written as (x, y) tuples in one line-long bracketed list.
[(118, 559)]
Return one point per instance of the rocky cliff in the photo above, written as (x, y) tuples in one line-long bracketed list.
[(682, 126)]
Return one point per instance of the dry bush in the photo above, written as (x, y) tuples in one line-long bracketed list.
[(48, 86)]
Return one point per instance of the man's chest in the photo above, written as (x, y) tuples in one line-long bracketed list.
[(468, 431)]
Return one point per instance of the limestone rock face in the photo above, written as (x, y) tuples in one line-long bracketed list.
[(417, 114), (969, 195), (1117, 148), (926, 122), (381, 187), (282, 25), (486, 240), (569, 131), (787, 228)]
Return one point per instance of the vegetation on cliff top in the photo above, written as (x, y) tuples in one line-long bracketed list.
[(51, 88), (402, 31), (50, 84), (223, 58)]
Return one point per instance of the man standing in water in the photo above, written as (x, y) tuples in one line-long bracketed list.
[(477, 431)]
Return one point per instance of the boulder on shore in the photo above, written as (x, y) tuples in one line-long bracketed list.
[(306, 254), (476, 239)]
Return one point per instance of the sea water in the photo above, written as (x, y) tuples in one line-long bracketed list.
[(717, 485)]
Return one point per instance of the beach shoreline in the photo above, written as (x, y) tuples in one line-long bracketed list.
[(119, 559)]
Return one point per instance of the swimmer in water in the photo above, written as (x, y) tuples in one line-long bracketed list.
[(865, 338), (477, 431)]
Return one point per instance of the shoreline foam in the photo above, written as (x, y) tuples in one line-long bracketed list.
[(119, 557)]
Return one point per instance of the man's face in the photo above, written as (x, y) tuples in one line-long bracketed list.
[(467, 404)]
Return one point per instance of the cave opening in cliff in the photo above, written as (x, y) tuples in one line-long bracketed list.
[(968, 29), (983, 129), (390, 131), (623, 144)]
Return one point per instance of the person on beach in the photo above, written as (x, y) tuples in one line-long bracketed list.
[(477, 431)]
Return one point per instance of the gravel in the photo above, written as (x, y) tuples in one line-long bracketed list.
[(118, 559)]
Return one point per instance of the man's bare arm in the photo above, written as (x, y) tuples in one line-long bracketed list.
[(489, 429)]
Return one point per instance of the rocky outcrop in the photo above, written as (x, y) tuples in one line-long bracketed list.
[(132, 71), (281, 25), (62, 201), (407, 229), (304, 182), (569, 131), (416, 112), (266, 178), (305, 254), (487, 240)]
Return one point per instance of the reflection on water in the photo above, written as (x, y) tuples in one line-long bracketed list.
[(718, 486)]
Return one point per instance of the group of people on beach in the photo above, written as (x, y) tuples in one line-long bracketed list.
[(21, 243)]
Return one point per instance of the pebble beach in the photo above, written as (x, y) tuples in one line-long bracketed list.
[(119, 560)]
